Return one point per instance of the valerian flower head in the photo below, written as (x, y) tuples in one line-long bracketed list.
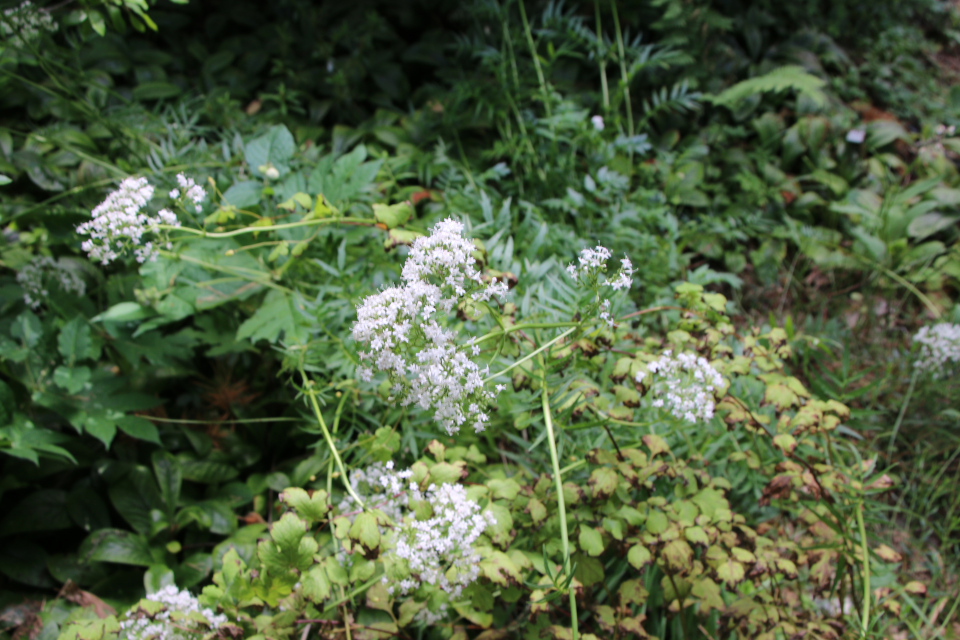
[(939, 349), (119, 223), (439, 550), (684, 385), (592, 266), (405, 329), (177, 620), (25, 23), (35, 278), (597, 122), (436, 549), (191, 191)]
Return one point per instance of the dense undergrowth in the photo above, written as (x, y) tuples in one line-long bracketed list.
[(357, 356)]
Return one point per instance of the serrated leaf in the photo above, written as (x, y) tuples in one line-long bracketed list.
[(276, 315), (312, 508), (275, 147), (365, 531), (506, 489), (74, 341)]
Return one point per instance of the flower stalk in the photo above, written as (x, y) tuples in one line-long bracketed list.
[(561, 507), (312, 395)]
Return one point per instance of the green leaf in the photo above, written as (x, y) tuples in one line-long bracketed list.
[(364, 531), (166, 468), (275, 147), (74, 341), (25, 562), (678, 556), (384, 444), (657, 522), (157, 577), (156, 91), (27, 329), (277, 314), (123, 312), (135, 496), (708, 592), (791, 77), (730, 571), (638, 556), (313, 508), (115, 545), (929, 224), (288, 531), (244, 194), (696, 535), (101, 427), (393, 215), (316, 586), (72, 379), (205, 471), (506, 489), (44, 510), (591, 542), (603, 482), (139, 428)]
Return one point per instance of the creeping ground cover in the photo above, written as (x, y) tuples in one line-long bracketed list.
[(484, 320)]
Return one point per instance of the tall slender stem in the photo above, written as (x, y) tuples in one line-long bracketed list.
[(624, 79), (312, 394), (523, 326), (531, 355), (903, 411), (865, 625), (601, 60), (555, 460), (536, 61), (289, 225)]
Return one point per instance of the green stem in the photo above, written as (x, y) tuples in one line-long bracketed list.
[(601, 60), (289, 225), (903, 411), (531, 355), (866, 572), (625, 81), (555, 461), (536, 61), (366, 585), (525, 325), (326, 434)]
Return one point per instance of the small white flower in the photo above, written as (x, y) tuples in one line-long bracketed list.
[(597, 122), (272, 173), (684, 385), (405, 330), (856, 136), (36, 276), (137, 625), (939, 349), (24, 23)]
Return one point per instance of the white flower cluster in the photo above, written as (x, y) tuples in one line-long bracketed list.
[(939, 349), (172, 622), (22, 24), (404, 328), (190, 191), (683, 384), (35, 276), (439, 550), (593, 263), (119, 223)]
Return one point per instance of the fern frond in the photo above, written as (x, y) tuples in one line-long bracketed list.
[(791, 77)]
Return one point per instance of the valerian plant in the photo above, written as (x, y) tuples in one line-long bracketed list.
[(629, 527)]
